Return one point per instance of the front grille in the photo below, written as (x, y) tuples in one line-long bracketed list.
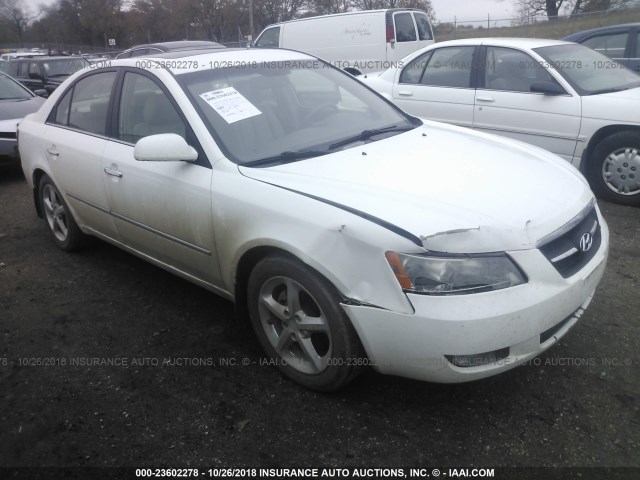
[(11, 135), (573, 250)]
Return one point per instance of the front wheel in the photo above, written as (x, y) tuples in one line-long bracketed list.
[(298, 320), (63, 228), (614, 168)]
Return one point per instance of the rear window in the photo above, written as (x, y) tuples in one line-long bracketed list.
[(405, 29), (424, 27)]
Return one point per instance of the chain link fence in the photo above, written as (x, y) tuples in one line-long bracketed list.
[(533, 26)]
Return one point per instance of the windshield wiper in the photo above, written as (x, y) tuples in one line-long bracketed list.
[(367, 134), (288, 156)]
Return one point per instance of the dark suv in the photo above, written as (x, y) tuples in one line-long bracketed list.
[(619, 42), (44, 72)]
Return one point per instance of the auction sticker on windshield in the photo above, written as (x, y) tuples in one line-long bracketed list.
[(230, 104)]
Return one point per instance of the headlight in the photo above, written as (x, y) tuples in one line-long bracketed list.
[(443, 274)]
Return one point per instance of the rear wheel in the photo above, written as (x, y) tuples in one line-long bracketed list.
[(614, 168), (298, 320), (63, 228)]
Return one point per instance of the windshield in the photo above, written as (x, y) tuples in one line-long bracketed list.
[(588, 71), (10, 90), (289, 110), (66, 66)]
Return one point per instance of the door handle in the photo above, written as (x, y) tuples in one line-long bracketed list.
[(52, 150), (114, 173), (405, 93), (485, 99)]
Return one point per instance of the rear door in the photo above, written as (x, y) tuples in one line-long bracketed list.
[(505, 104), (439, 85), (76, 138), (406, 36)]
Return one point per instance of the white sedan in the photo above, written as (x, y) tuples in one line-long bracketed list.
[(348, 232), (563, 97)]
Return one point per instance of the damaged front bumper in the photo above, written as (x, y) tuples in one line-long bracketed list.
[(460, 338)]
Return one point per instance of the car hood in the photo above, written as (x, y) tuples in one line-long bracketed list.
[(453, 189), (18, 109), (617, 106)]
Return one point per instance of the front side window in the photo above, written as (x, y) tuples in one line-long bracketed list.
[(611, 45), (405, 29), (146, 110), (84, 106), (449, 67), (269, 39), (412, 73), (512, 70)]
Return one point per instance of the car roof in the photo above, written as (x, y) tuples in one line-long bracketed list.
[(503, 42), (179, 45), (580, 35), (47, 58)]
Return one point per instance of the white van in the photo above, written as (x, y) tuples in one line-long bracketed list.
[(358, 42)]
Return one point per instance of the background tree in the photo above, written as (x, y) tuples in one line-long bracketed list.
[(15, 17)]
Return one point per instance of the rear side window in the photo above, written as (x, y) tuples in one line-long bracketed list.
[(139, 52), (23, 70), (62, 110), (270, 38), (424, 28), (612, 45), (405, 29), (412, 73), (84, 107), (449, 67)]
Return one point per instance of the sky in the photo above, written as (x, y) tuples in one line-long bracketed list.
[(446, 10)]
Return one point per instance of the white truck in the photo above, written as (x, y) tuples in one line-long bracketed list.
[(358, 42)]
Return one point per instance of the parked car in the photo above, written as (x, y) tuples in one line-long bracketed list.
[(619, 42), (357, 42), (15, 55), (178, 46), (349, 232), (16, 101), (45, 72), (563, 97)]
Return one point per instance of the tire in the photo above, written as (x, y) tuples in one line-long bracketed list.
[(307, 335), (60, 223), (613, 170)]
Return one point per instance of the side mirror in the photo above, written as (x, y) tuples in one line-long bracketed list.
[(165, 147), (548, 88), (41, 92)]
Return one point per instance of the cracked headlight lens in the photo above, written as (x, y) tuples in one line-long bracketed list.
[(445, 274)]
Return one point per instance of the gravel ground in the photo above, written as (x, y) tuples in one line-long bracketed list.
[(576, 406)]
